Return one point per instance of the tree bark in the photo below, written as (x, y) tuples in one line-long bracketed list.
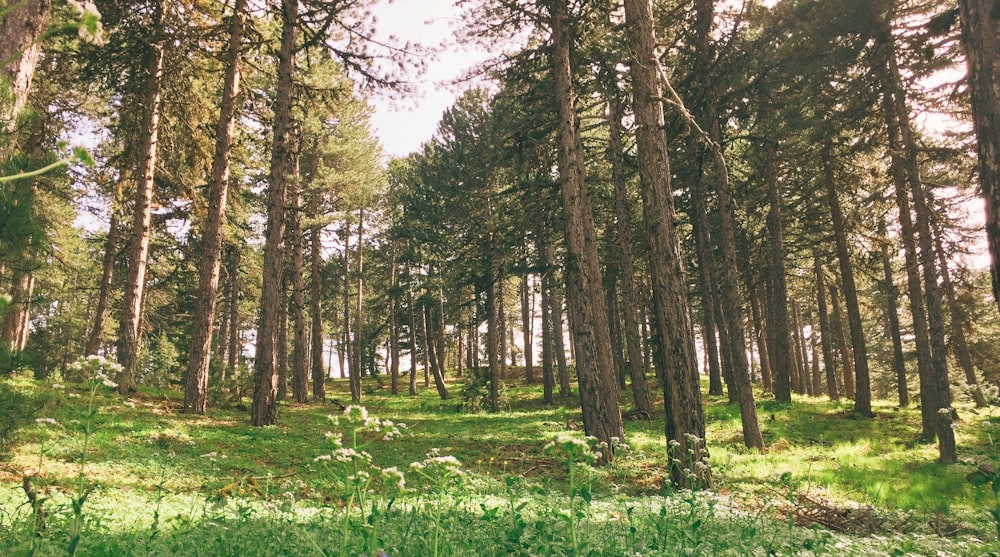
[(779, 331), (358, 369), (892, 317), (96, 336), (847, 376), (196, 384), (234, 316), (862, 376), (682, 395), (316, 304), (141, 227), (527, 328), (264, 410), (935, 392), (394, 352), (598, 397), (825, 331), (960, 346), (21, 29), (979, 39), (300, 341)]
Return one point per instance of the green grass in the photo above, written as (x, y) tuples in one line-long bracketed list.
[(168, 483)]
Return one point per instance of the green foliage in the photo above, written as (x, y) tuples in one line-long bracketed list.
[(17, 411), (170, 483)]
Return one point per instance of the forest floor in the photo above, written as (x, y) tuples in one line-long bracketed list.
[(135, 475)]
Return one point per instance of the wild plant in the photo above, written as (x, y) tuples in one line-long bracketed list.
[(441, 474), (579, 455), (354, 472)]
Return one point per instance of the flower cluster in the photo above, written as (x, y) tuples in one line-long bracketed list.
[(95, 369)]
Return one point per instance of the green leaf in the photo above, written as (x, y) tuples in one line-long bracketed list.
[(585, 494)]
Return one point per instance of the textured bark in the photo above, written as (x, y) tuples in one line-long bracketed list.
[(493, 331), (196, 384), (778, 328), (96, 336), (979, 39), (413, 339), (358, 370), (935, 392), (675, 342), (891, 310), (527, 327), (437, 368), (959, 344), (316, 308), (141, 227), (862, 376), (20, 50), (825, 330), (766, 376), (300, 341), (264, 410), (234, 317), (394, 351), (281, 347), (846, 370), (598, 397), (630, 292)]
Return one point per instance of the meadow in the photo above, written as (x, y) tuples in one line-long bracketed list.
[(416, 476)]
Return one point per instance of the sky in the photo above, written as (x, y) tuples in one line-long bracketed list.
[(402, 125)]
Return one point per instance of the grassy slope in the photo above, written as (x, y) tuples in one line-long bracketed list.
[(159, 475)]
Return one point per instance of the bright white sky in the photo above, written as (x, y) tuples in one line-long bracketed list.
[(402, 125)]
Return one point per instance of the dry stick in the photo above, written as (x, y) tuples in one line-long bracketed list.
[(36, 504)]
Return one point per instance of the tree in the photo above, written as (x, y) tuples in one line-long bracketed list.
[(675, 342), (130, 322), (979, 38), (196, 385), (264, 410), (601, 415)]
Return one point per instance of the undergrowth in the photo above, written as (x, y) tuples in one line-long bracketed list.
[(520, 482)]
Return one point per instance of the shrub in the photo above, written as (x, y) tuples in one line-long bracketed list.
[(16, 411)]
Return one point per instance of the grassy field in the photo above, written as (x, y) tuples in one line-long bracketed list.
[(134, 476)]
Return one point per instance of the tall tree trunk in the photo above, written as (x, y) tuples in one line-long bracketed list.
[(779, 331), (493, 331), (413, 337), (347, 347), (300, 347), (282, 343), (196, 384), (96, 336), (234, 317), (358, 346), (623, 222), (825, 331), (316, 304), (862, 383), (766, 377), (681, 390), (436, 357), (141, 227), (394, 351), (979, 39), (21, 28), (892, 317), (936, 395), (548, 342), (527, 328), (960, 346), (847, 376), (264, 410), (598, 397)]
